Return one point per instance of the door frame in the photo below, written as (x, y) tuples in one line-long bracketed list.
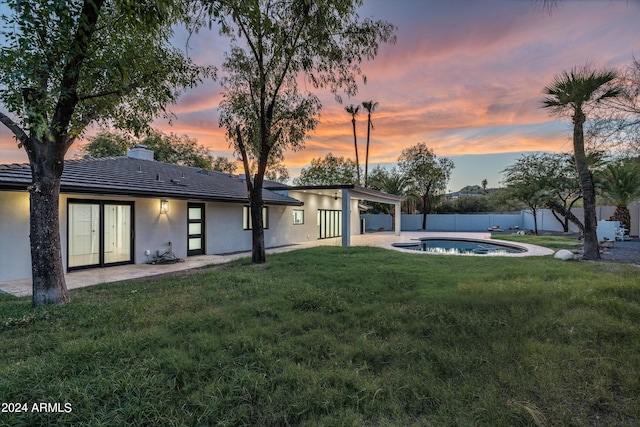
[(101, 234), (202, 221)]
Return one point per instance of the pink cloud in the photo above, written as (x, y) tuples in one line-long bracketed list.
[(464, 77)]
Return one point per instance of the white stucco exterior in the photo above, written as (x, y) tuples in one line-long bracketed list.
[(154, 230)]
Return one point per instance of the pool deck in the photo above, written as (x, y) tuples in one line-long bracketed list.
[(95, 276)]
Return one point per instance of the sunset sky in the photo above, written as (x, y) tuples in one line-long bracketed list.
[(465, 77)]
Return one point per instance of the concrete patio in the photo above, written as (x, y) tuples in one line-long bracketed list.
[(95, 276)]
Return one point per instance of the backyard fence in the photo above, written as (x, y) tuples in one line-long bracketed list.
[(445, 222), (481, 222)]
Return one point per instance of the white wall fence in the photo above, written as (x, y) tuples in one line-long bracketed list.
[(480, 222), (445, 222)]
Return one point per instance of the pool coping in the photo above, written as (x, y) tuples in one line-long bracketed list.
[(409, 237)]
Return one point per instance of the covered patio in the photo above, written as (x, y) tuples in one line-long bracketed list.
[(349, 193)]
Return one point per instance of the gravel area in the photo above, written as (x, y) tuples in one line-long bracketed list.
[(627, 252)]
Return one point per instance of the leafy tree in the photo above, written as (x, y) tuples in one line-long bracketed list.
[(274, 44), (571, 93), (107, 144), (620, 183), (329, 170), (527, 181), (391, 182), (484, 185), (427, 173), (370, 106), (223, 164), (65, 65), (353, 110), (178, 149), (467, 204)]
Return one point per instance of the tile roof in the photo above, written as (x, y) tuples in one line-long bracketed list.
[(143, 178)]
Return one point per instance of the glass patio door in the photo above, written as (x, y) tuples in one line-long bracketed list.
[(84, 235), (100, 233)]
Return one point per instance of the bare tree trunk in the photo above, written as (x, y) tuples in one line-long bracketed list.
[(424, 211), (622, 215), (564, 222), (47, 271), (355, 144), (591, 247), (565, 212), (258, 253), (366, 156)]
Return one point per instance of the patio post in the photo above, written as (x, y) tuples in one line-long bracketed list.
[(398, 219), (346, 218)]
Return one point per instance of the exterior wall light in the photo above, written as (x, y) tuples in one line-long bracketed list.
[(164, 206)]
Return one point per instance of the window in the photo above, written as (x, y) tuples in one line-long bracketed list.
[(246, 218), (195, 224), (329, 223), (298, 216)]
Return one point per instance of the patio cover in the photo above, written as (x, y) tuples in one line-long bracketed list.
[(351, 192)]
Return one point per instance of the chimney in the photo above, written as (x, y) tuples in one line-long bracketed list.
[(140, 152)]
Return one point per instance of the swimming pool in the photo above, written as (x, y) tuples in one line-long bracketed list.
[(460, 246)]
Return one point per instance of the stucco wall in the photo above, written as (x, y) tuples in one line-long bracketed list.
[(312, 202), (154, 230)]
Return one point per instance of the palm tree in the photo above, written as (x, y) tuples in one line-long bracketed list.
[(353, 110), (370, 106), (570, 93), (391, 182), (620, 183)]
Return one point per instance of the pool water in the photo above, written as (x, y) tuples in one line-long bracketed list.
[(460, 246)]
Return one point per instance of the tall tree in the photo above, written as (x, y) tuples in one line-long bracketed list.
[(620, 183), (391, 181), (168, 148), (224, 164), (370, 106), (68, 64), (571, 93), (107, 144), (427, 173), (353, 110), (274, 43), (563, 188), (527, 181), (178, 149), (329, 170)]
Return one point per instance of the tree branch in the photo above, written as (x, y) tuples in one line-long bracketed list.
[(70, 76), (14, 128)]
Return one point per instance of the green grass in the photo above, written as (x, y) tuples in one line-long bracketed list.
[(336, 337), (551, 242)]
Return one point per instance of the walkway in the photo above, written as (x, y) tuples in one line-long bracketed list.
[(94, 276)]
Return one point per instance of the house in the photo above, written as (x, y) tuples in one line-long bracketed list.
[(126, 210)]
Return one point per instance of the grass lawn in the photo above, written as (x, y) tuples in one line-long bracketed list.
[(552, 242), (334, 336)]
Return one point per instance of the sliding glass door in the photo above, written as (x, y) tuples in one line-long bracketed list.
[(84, 235), (329, 223), (100, 233)]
